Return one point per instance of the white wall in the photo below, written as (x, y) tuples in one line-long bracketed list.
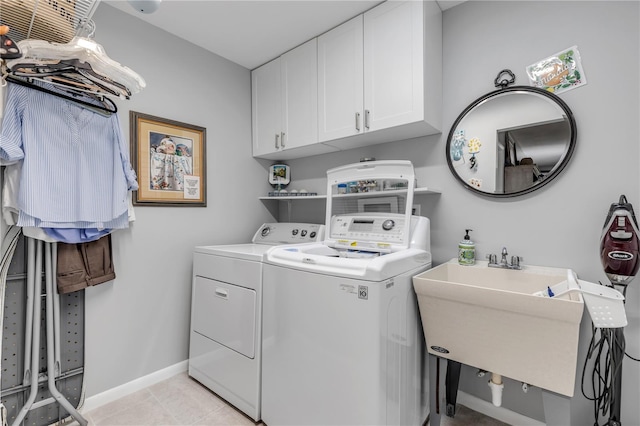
[(140, 322), (559, 225)]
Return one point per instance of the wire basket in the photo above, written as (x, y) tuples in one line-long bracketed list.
[(56, 21)]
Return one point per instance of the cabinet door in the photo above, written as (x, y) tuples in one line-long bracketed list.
[(265, 108), (393, 64), (340, 86), (299, 73)]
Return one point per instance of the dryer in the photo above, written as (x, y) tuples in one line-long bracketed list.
[(226, 313), (342, 339)]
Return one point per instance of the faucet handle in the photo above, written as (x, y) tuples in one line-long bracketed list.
[(515, 261), (493, 259)]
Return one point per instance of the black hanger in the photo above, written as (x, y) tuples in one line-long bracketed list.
[(71, 72), (105, 108)]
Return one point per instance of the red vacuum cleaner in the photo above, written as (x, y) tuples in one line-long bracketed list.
[(620, 257), (619, 244)]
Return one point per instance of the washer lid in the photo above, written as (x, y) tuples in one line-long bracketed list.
[(322, 259)]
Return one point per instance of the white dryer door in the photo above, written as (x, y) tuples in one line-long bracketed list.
[(226, 314)]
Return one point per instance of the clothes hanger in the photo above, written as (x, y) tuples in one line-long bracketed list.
[(77, 72), (83, 50), (105, 106)]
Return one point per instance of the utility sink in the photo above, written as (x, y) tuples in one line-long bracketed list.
[(489, 318)]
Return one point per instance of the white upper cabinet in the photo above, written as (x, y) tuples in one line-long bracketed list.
[(266, 110), (393, 65), (340, 81), (285, 105), (398, 87), (299, 73), (379, 79)]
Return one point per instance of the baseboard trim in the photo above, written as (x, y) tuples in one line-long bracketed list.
[(125, 389), (498, 413)]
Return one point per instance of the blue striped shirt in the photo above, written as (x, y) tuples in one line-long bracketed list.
[(76, 171)]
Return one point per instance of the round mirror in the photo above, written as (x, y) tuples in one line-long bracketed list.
[(511, 141)]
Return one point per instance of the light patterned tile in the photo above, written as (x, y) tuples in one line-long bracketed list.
[(119, 405), (147, 412), (185, 398), (226, 416), (180, 400)]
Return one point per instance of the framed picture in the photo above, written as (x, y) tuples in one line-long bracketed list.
[(279, 174), (169, 158)]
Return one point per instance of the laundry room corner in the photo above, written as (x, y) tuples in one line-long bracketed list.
[(297, 249), (139, 323)]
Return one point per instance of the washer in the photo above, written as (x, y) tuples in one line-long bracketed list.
[(342, 340), (226, 309)]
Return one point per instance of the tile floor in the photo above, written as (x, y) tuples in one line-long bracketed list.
[(181, 400)]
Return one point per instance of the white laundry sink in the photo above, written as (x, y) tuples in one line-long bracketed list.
[(489, 318)]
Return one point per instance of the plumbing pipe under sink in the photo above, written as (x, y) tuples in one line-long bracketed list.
[(497, 387)]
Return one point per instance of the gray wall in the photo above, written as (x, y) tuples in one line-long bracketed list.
[(139, 323), (559, 225)]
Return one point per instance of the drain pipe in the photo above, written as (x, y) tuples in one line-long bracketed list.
[(496, 386)]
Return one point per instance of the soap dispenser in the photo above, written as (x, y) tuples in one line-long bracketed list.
[(467, 250)]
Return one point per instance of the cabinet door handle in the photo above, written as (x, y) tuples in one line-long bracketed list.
[(282, 139), (366, 119), (277, 141), (357, 121)]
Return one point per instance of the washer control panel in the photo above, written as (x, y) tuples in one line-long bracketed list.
[(368, 228), (288, 233)]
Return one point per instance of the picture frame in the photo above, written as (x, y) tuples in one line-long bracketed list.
[(279, 174), (169, 158)]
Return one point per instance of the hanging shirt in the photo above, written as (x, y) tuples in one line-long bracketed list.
[(76, 171)]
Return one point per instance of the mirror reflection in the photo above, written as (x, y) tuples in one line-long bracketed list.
[(511, 141)]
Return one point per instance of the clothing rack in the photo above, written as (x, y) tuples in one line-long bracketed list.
[(60, 58)]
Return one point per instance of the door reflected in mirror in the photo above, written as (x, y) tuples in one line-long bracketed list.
[(511, 141)]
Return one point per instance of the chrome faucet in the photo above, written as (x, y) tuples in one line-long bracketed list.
[(503, 261), (515, 260)]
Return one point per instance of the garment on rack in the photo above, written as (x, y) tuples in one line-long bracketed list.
[(76, 171), (10, 210), (76, 235), (10, 213), (82, 265)]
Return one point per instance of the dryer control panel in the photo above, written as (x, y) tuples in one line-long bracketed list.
[(288, 233)]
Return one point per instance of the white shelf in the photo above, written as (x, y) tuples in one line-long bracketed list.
[(295, 197), (416, 191)]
